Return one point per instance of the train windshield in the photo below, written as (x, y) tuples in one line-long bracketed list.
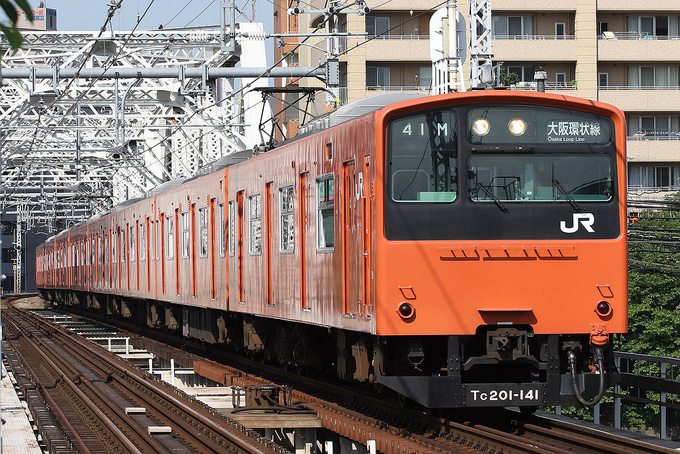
[(422, 164), (538, 154), (539, 178)]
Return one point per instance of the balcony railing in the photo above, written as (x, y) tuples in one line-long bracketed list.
[(551, 86), (639, 87), (400, 37), (635, 36), (533, 37), (407, 88), (654, 135)]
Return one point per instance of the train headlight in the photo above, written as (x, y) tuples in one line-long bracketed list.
[(406, 311), (517, 126), (603, 308), (481, 126)]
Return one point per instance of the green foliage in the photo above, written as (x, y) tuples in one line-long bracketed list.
[(508, 78), (11, 32)]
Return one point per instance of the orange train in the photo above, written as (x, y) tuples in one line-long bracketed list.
[(462, 250)]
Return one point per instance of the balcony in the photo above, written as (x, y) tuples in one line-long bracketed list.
[(534, 47), (624, 46), (650, 146), (372, 91), (399, 48), (637, 5), (641, 98), (534, 5)]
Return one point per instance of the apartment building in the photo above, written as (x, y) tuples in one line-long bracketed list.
[(622, 52)]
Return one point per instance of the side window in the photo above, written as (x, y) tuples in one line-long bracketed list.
[(123, 246), (186, 235), (325, 221), (221, 230), (255, 224), (170, 238), (133, 245), (232, 234), (114, 247), (142, 242), (203, 232), (287, 224)]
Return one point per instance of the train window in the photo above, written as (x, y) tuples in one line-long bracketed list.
[(142, 242), (221, 229), (170, 238), (255, 225), (287, 223), (203, 232), (123, 245), (186, 235), (106, 249), (114, 247), (422, 152), (133, 245), (325, 220), (232, 233), (531, 178)]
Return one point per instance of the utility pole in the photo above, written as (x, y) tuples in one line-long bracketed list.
[(481, 53), (447, 49), (333, 35)]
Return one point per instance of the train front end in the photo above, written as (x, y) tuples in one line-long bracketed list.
[(501, 257)]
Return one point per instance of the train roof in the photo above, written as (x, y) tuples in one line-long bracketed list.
[(356, 109)]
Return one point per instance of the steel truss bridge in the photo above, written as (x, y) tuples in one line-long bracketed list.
[(89, 120)]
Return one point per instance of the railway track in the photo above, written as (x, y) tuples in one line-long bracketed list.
[(363, 417), (103, 404)]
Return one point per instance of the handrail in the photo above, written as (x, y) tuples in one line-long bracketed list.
[(534, 37), (635, 36)]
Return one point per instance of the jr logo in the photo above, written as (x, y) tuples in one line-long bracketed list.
[(586, 219)]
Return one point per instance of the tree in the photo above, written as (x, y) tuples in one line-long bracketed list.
[(10, 30)]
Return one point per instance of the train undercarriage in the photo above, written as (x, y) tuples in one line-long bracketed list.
[(498, 366)]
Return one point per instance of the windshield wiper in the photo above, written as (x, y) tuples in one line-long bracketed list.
[(492, 196), (558, 185)]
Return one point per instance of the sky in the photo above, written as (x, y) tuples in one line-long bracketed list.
[(90, 15)]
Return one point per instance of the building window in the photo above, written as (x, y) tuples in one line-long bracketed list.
[(203, 232), (425, 76), (221, 229), (255, 225), (377, 76), (602, 79), (325, 221), (561, 79), (560, 29), (662, 126), (287, 222), (653, 177), (186, 235), (511, 26), (525, 73), (653, 76), (377, 25), (652, 26), (170, 238)]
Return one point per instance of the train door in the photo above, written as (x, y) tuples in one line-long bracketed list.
[(303, 240), (239, 245), (268, 249), (352, 258)]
